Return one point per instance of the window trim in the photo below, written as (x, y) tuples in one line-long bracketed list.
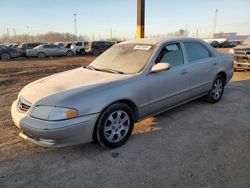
[(163, 46)]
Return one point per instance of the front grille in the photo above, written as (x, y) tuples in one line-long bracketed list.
[(24, 105)]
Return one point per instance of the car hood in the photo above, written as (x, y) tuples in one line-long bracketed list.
[(76, 78)]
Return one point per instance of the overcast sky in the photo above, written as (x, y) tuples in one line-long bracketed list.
[(99, 16)]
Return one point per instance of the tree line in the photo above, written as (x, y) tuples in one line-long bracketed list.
[(47, 37)]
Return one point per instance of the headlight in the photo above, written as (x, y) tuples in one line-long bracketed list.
[(53, 113)]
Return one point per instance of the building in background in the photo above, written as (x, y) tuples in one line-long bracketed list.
[(231, 37)]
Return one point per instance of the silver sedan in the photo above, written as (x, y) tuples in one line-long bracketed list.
[(130, 81), (45, 50)]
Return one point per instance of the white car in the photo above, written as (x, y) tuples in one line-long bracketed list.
[(79, 47)]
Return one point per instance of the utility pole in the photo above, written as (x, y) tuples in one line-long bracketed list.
[(111, 33), (75, 24), (140, 30), (14, 31), (186, 32), (8, 34), (28, 30), (215, 20)]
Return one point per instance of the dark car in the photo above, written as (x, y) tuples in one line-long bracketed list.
[(97, 47), (25, 46), (215, 44), (7, 53)]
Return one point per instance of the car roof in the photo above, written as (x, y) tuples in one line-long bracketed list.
[(159, 41)]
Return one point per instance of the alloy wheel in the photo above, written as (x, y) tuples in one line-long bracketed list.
[(116, 126)]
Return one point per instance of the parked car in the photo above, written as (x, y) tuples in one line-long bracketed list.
[(130, 81), (215, 44), (45, 50), (233, 44), (26, 46), (79, 47), (7, 53), (98, 47), (241, 55)]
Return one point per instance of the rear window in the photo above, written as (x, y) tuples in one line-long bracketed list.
[(196, 51)]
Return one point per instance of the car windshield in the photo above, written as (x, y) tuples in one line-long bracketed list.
[(124, 58)]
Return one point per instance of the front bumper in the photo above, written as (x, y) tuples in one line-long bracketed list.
[(54, 133)]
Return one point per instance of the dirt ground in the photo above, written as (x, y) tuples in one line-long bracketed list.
[(195, 145)]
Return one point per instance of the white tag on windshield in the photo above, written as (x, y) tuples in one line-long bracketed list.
[(142, 47)]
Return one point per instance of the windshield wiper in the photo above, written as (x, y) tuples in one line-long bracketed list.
[(111, 71), (103, 70), (90, 67)]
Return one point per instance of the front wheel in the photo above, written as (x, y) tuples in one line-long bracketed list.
[(5, 56), (115, 125), (216, 92)]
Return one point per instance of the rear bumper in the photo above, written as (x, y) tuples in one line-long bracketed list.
[(54, 133), (240, 65)]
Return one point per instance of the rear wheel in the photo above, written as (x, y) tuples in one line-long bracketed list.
[(217, 90), (41, 55), (69, 53), (82, 52), (5, 56), (115, 125), (96, 52)]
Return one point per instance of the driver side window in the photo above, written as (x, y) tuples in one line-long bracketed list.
[(171, 54)]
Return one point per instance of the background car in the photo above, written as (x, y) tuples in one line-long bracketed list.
[(45, 50), (25, 46), (241, 55), (79, 47), (98, 47), (7, 53)]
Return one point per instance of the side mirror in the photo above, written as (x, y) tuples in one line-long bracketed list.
[(159, 67)]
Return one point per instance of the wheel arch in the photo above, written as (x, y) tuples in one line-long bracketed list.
[(128, 102), (224, 75)]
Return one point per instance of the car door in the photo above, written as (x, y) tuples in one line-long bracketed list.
[(170, 87), (202, 67), (45, 49), (60, 51), (101, 46)]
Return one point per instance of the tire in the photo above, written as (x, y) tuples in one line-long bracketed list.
[(216, 92), (115, 125), (82, 52), (41, 55), (69, 53), (5, 56), (96, 52)]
